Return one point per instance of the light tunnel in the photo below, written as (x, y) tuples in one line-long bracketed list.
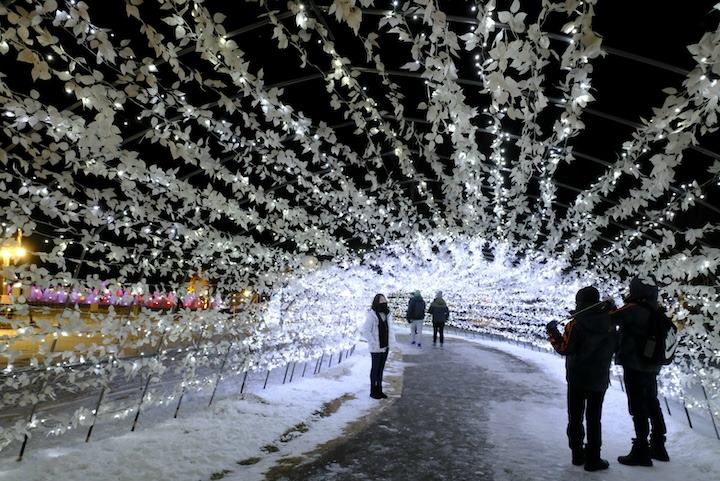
[(190, 188)]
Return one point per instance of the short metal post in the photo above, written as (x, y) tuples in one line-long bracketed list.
[(687, 414), (292, 373), (340, 360), (180, 399), (147, 385), (35, 404), (219, 374), (667, 406), (266, 379), (142, 398), (95, 414), (330, 361), (287, 368), (242, 388), (319, 365), (712, 417), (304, 368)]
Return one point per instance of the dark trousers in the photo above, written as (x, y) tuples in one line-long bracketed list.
[(438, 329), (376, 370), (641, 388), (587, 404)]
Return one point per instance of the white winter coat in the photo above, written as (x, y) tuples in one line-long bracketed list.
[(371, 334)]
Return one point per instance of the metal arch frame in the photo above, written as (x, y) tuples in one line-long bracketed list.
[(564, 38), (565, 186), (451, 18), (554, 36), (457, 19), (536, 197), (474, 21), (554, 101)]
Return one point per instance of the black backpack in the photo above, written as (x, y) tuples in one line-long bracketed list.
[(416, 310), (662, 339)]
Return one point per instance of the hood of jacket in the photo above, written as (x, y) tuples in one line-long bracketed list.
[(438, 301)]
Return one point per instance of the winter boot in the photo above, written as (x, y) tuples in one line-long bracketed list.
[(593, 461), (375, 392), (578, 456), (639, 454), (657, 449), (597, 464)]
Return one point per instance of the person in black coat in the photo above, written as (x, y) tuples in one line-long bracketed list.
[(440, 314), (416, 317), (588, 344), (640, 374)]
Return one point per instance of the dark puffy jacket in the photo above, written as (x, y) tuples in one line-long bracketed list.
[(416, 309), (588, 345), (439, 311), (633, 321)]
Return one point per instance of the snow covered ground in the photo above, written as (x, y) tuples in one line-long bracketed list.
[(255, 430), (239, 439)]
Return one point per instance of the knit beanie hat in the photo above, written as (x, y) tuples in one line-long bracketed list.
[(586, 297)]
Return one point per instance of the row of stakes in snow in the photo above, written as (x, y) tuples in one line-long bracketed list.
[(288, 377)]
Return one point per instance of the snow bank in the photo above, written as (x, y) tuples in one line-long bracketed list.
[(209, 443)]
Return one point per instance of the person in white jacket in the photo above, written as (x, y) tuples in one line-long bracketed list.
[(379, 332)]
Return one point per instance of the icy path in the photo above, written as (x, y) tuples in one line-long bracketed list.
[(494, 412)]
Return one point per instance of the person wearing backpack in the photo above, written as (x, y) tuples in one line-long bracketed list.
[(636, 322), (379, 332), (416, 317), (440, 315), (588, 344)]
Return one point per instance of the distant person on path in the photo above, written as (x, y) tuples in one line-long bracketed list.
[(440, 315), (379, 332), (416, 317), (588, 344), (640, 374)]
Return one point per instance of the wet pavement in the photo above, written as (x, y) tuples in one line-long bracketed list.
[(437, 429)]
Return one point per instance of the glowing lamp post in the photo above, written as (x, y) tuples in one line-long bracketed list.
[(7, 253)]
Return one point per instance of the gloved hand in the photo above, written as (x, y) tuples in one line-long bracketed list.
[(551, 326), (610, 303)]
